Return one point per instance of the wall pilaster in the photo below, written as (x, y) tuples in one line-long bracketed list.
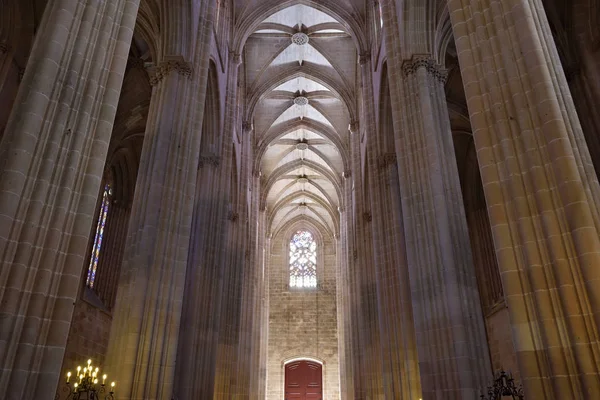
[(541, 192)]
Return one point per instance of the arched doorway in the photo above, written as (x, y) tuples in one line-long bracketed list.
[(303, 380)]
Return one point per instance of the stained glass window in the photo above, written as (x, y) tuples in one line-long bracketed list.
[(303, 260), (93, 267)]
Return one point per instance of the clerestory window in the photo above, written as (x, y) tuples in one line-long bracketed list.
[(97, 245), (303, 260)]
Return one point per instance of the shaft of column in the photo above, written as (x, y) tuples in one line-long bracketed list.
[(143, 343), (366, 350), (400, 373), (198, 351), (51, 161), (541, 192), (236, 276), (452, 345)]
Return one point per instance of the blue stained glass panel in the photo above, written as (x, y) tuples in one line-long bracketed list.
[(93, 266)]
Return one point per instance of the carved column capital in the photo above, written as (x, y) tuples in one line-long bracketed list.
[(236, 58), (434, 69), (364, 58), (353, 127), (247, 127), (170, 64)]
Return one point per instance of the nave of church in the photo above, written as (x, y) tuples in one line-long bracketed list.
[(299, 199)]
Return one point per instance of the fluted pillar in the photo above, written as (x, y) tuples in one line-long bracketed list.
[(344, 304), (198, 351), (541, 191), (248, 364), (452, 346), (367, 366), (147, 313), (400, 372), (51, 161)]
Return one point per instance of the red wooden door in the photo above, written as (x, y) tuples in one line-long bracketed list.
[(303, 380)]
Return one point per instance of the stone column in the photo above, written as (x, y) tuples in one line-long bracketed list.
[(400, 372), (344, 292), (146, 322), (198, 351), (541, 191), (366, 356), (148, 308), (453, 354), (51, 161)]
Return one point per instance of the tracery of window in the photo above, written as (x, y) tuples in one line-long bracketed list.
[(104, 206), (303, 260)]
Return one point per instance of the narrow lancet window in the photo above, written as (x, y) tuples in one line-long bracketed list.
[(303, 260), (92, 268)]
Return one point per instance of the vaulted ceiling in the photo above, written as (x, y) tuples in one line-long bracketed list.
[(300, 73)]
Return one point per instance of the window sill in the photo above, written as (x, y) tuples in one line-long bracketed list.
[(90, 297)]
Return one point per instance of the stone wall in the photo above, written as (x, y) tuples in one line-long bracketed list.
[(502, 350), (88, 337), (302, 323)]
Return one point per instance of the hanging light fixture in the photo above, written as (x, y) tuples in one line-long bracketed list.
[(504, 387), (85, 384)]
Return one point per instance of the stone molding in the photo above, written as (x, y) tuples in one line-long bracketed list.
[(170, 64), (247, 127), (209, 159), (434, 69), (235, 58), (386, 160), (364, 58)]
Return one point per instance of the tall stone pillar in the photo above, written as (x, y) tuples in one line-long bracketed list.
[(452, 346), (147, 318), (207, 269), (147, 312), (400, 372), (51, 161), (365, 335), (541, 191)]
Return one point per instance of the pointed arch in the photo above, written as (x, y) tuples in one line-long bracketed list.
[(211, 142)]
